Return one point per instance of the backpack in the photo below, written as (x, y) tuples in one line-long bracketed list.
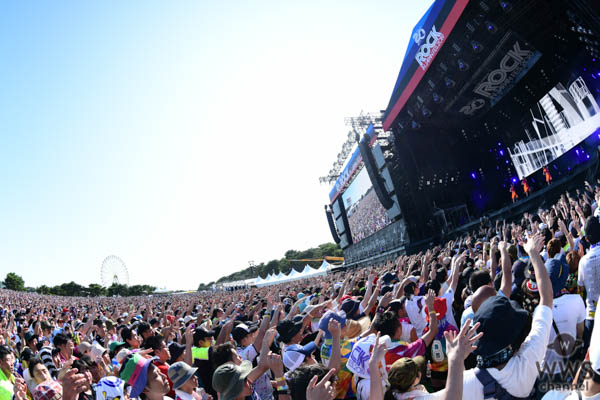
[(491, 388)]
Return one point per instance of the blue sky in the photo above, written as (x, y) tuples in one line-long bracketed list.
[(185, 137)]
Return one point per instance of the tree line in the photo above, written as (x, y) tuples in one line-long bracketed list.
[(15, 282), (283, 265)]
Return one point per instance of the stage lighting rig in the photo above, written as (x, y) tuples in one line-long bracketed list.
[(476, 46), (491, 27), (359, 125), (449, 82), (506, 6)]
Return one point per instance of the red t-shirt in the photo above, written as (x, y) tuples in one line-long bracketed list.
[(403, 349)]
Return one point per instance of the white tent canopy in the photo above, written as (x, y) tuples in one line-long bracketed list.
[(273, 279), (307, 272), (293, 273)]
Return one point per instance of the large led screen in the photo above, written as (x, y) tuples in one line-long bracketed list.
[(559, 121), (365, 213)]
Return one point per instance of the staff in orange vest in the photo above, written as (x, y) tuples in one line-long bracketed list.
[(513, 192), (526, 187), (547, 175)]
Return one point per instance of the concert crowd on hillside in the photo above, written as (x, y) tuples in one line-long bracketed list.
[(504, 312)]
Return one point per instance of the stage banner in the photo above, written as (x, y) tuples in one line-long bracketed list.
[(506, 65)]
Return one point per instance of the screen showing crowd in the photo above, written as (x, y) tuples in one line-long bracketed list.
[(365, 213)]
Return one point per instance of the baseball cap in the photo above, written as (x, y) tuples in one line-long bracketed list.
[(201, 333), (329, 315), (84, 348), (229, 379), (135, 372), (29, 336), (287, 329), (495, 315), (388, 278), (97, 351), (180, 373), (241, 331), (350, 307), (294, 355), (112, 346), (176, 350)]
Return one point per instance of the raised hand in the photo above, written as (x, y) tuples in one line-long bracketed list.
[(460, 345), (534, 244), (562, 226), (378, 353), (324, 390), (275, 364), (270, 336), (334, 328), (73, 384), (385, 300), (429, 299), (20, 390), (189, 335)]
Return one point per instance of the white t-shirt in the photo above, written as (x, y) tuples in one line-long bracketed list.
[(262, 386), (247, 353), (415, 315), (567, 310), (449, 296), (520, 373), (589, 276), (406, 329)]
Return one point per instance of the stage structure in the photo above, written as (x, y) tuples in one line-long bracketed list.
[(489, 93)]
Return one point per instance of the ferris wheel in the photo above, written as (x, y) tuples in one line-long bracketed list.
[(114, 271)]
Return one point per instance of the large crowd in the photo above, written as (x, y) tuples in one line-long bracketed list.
[(367, 216), (504, 312)]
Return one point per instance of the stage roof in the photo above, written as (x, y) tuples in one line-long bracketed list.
[(428, 36)]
